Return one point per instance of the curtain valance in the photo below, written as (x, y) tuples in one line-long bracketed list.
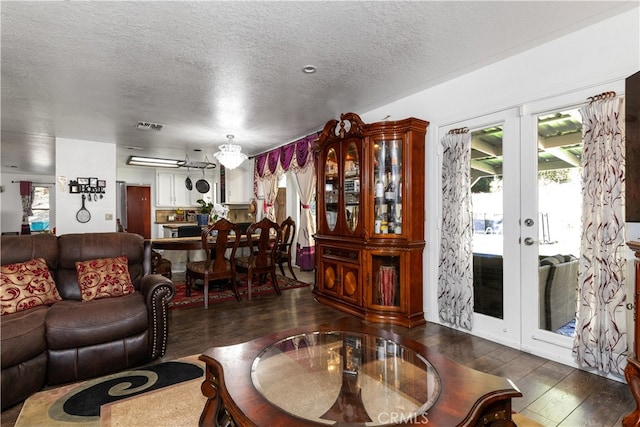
[(294, 156)]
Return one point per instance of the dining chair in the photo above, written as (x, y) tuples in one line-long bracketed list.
[(283, 254), (263, 238), (216, 266)]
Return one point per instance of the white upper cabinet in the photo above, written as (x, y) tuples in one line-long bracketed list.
[(171, 190)]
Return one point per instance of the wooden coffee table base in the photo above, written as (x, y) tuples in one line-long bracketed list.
[(467, 397)]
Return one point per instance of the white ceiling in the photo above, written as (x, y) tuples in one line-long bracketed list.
[(204, 69)]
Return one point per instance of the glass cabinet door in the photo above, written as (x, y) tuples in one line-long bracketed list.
[(387, 178), (331, 185), (352, 186), (385, 291)]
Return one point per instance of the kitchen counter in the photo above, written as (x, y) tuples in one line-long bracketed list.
[(175, 224)]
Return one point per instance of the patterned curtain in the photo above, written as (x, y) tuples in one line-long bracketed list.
[(26, 195), (297, 158), (455, 272), (601, 331)]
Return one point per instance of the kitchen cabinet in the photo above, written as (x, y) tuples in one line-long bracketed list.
[(370, 201), (171, 190)]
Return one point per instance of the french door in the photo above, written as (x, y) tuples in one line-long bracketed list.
[(526, 205), (525, 185), (495, 184)]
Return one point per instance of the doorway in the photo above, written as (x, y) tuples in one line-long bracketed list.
[(139, 210), (495, 184)]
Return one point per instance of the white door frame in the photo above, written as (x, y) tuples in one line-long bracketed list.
[(505, 331), (535, 340)]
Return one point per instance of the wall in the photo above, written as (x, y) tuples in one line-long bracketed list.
[(11, 204), (79, 158), (584, 59)]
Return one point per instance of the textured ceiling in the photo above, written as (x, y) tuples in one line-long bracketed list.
[(92, 70)]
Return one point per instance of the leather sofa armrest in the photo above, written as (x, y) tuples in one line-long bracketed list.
[(158, 291)]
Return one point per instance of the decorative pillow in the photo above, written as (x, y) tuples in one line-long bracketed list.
[(104, 278), (25, 285)]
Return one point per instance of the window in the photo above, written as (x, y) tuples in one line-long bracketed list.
[(39, 221)]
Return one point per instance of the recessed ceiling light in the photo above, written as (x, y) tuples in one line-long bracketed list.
[(309, 69)]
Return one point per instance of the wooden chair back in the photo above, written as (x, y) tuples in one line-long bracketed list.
[(226, 232), (283, 254), (288, 228), (262, 250)]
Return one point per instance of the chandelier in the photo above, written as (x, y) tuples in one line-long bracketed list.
[(230, 154)]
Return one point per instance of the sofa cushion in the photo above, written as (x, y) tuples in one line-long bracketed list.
[(104, 278), (25, 285), (88, 246), (23, 336), (74, 324)]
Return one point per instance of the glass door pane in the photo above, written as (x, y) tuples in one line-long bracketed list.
[(331, 188), (387, 176), (559, 204), (352, 186), (487, 202), (386, 277)]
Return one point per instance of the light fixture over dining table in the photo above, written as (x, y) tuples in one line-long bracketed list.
[(230, 154)]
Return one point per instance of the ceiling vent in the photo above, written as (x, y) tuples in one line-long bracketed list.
[(149, 125)]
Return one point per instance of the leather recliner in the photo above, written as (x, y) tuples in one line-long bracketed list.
[(73, 340)]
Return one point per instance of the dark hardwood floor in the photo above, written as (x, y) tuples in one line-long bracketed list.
[(554, 394)]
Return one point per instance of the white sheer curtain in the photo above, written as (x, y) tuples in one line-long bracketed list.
[(455, 273), (306, 181), (270, 188), (601, 331)]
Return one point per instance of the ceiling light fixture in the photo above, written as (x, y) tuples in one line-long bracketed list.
[(230, 154), (309, 69), (154, 162)]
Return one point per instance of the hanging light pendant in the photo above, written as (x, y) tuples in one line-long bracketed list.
[(230, 154)]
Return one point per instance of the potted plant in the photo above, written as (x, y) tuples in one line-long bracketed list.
[(204, 211)]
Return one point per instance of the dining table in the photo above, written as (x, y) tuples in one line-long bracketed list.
[(192, 243)]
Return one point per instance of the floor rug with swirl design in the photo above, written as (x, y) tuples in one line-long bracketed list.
[(173, 388)]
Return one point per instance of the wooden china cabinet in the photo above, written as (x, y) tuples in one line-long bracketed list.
[(370, 205)]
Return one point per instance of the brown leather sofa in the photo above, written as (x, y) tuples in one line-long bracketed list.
[(74, 340)]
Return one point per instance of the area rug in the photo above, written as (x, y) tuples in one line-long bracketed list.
[(176, 405), (103, 400), (181, 300)]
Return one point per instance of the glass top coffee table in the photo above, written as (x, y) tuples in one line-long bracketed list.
[(345, 377), (346, 373)]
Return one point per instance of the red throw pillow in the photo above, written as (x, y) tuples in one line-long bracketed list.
[(104, 278), (25, 285)]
